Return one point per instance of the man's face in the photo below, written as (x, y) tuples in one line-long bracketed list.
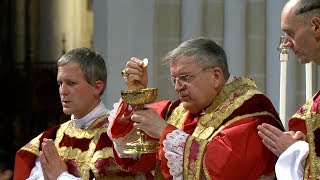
[(299, 35), (77, 96), (198, 92)]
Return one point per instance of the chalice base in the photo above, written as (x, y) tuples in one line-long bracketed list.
[(141, 147)]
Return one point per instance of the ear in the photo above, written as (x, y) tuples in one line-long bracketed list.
[(218, 78), (315, 23), (98, 87)]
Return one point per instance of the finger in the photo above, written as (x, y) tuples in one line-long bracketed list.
[(272, 149), (273, 129), (125, 120), (65, 160), (137, 61), (266, 139), (48, 149), (290, 133), (136, 118), (265, 132), (45, 150), (134, 77), (299, 136), (134, 65), (43, 160), (53, 148)]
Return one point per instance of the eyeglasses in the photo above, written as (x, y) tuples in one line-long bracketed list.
[(184, 78)]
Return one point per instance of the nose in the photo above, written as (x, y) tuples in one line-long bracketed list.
[(287, 43), (63, 89), (179, 86)]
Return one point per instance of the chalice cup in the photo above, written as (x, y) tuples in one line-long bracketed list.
[(139, 98)]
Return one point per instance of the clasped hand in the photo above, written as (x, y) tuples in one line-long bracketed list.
[(51, 163), (276, 140)]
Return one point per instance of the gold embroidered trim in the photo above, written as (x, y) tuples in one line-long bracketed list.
[(242, 117), (205, 169), (83, 158), (33, 146), (106, 152), (178, 116), (231, 98), (306, 107), (312, 123), (206, 173), (306, 169), (192, 170)]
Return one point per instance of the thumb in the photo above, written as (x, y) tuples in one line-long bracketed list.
[(299, 136)]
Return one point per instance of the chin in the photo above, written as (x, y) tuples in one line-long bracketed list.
[(189, 106), (67, 111)]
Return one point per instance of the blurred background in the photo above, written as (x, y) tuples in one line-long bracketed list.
[(35, 33)]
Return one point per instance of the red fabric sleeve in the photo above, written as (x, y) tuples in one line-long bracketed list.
[(24, 162), (237, 152), (118, 128), (146, 162)]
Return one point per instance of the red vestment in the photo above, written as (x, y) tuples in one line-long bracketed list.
[(88, 151), (307, 120), (223, 142)]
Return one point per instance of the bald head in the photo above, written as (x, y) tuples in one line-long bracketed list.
[(301, 24)]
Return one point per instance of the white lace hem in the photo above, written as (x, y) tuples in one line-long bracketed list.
[(173, 147)]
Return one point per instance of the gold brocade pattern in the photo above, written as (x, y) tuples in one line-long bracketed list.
[(312, 124), (178, 116), (85, 160), (312, 120), (206, 173), (215, 118), (192, 168), (306, 107), (33, 146), (229, 99)]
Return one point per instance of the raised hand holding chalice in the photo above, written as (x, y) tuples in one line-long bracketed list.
[(138, 98)]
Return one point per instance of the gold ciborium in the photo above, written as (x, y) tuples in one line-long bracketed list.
[(139, 98)]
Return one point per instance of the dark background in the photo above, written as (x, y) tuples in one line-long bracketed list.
[(30, 100)]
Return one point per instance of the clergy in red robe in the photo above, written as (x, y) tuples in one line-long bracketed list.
[(210, 132), (307, 120), (79, 148)]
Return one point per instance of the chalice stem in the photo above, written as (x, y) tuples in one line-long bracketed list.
[(142, 136)]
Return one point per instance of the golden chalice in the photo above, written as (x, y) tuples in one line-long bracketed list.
[(139, 98)]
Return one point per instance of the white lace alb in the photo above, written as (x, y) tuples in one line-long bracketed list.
[(173, 147)]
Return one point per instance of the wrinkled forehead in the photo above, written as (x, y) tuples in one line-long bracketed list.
[(184, 63)]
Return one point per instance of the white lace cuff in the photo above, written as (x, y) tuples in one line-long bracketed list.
[(173, 147)]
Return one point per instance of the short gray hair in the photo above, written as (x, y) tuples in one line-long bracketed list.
[(307, 8), (206, 53), (91, 63)]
